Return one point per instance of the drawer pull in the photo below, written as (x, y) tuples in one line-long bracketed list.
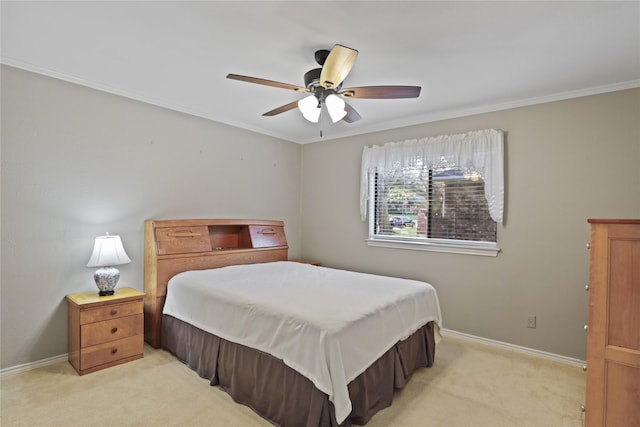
[(584, 368), (114, 330), (183, 234), (114, 350), (114, 312), (267, 232), (586, 327)]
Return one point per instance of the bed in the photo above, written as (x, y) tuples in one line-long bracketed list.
[(302, 345)]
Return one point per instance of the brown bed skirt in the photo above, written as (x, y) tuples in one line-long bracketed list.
[(280, 394)]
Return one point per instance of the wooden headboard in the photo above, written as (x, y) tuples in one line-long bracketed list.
[(174, 246)]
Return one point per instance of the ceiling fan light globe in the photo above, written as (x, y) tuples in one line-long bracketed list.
[(335, 106), (310, 108)]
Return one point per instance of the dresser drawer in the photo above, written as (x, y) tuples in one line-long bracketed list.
[(112, 351), (110, 312), (111, 330), (264, 236)]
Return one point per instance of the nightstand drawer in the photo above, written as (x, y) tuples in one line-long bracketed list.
[(111, 330), (111, 352), (110, 312)]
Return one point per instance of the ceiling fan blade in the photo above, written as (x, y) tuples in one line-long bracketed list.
[(352, 114), (337, 65), (275, 111), (382, 92), (267, 82)]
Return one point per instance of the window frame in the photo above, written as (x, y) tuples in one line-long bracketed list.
[(464, 247), (481, 151), (453, 246)]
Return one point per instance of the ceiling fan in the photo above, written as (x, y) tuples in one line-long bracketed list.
[(324, 85)]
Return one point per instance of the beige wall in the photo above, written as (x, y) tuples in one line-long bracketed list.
[(565, 162), (77, 163)]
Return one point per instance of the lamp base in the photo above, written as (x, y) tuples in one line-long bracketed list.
[(106, 279)]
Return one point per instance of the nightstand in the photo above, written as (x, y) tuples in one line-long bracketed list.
[(105, 331)]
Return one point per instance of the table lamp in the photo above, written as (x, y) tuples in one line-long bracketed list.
[(107, 252)]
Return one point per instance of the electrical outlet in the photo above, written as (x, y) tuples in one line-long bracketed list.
[(531, 322)]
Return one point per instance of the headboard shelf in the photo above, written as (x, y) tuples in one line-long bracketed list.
[(174, 246)]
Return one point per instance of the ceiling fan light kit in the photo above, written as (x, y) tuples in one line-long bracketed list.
[(335, 106), (310, 108), (325, 88)]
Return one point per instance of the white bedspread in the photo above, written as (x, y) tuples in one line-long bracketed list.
[(327, 324)]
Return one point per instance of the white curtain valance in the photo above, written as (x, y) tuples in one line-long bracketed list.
[(482, 151)]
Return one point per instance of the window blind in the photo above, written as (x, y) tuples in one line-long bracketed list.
[(444, 203)]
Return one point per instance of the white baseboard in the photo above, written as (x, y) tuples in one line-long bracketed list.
[(513, 347), (32, 365), (444, 332)]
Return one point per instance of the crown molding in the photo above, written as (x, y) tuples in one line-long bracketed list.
[(409, 121)]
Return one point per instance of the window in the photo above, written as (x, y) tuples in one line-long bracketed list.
[(442, 193)]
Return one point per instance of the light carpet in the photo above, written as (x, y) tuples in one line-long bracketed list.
[(470, 384)]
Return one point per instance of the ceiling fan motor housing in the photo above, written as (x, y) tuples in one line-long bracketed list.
[(321, 56), (312, 78)]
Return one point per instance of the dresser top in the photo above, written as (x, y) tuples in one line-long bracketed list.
[(613, 221)]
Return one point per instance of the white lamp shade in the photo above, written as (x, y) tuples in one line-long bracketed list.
[(335, 106), (108, 251), (310, 108)]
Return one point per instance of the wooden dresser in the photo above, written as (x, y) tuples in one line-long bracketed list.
[(613, 338), (105, 331)]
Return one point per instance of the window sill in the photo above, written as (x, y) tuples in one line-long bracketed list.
[(457, 247)]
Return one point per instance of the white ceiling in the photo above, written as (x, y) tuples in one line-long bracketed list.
[(469, 57)]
